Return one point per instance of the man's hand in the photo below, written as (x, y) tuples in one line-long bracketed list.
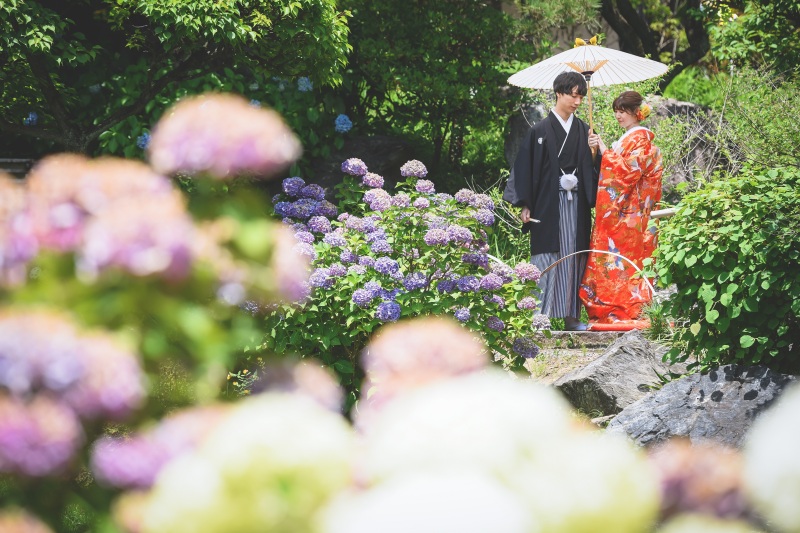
[(526, 215)]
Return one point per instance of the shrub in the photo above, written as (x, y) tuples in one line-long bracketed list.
[(412, 253), (732, 249)]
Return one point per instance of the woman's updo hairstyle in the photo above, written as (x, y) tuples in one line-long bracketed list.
[(629, 102)]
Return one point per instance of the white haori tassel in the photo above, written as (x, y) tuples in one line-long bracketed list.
[(569, 182)]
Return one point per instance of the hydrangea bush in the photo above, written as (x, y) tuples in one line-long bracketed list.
[(387, 256)]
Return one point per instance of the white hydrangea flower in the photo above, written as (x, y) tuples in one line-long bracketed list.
[(467, 502), (772, 464), (697, 523), (270, 466)]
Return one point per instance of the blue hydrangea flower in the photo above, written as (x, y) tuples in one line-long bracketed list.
[(304, 84), (313, 191), (491, 282), (334, 239), (255, 103), (415, 280), (374, 287), (382, 203), (413, 168), (381, 247), (326, 209), (436, 237), (462, 314), (525, 347), (343, 124), (354, 167), (304, 236), (321, 277), (477, 259), (464, 196), (446, 285), (389, 296), (421, 203), (386, 265), (373, 180), (303, 208), (348, 257), (283, 209), (363, 297), (482, 200), (484, 216), (495, 323), (377, 235), (292, 186), (319, 224), (366, 260), (468, 284), (401, 199), (527, 303), (143, 140), (425, 186), (388, 311), (32, 119)]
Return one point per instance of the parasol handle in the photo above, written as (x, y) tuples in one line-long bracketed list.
[(588, 76)]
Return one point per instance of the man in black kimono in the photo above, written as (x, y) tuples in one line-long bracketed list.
[(554, 181)]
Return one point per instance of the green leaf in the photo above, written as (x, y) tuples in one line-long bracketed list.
[(712, 315), (695, 328), (746, 341), (345, 367)]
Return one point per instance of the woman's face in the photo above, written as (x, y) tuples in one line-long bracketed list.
[(626, 120)]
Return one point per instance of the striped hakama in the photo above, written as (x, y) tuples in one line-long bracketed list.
[(559, 287)]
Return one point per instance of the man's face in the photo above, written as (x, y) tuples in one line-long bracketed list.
[(569, 103)]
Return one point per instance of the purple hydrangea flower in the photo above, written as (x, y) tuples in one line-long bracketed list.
[(388, 311), (326, 209), (335, 239), (312, 191), (527, 272), (366, 260), (363, 297), (484, 216), (337, 270), (495, 323), (415, 280), (343, 217), (381, 247), (468, 284), (491, 282), (421, 203), (435, 221), (525, 347), (354, 167), (283, 209), (321, 277), (401, 199), (386, 265), (396, 275), (319, 224), (354, 223), (342, 124), (504, 271), (413, 168), (292, 186), (436, 237), (482, 200), (446, 285), (370, 223), (527, 303), (348, 257), (377, 235), (459, 234), (462, 314), (540, 322), (441, 198), (464, 196), (304, 236), (299, 226), (373, 180), (372, 195), (425, 186), (303, 208), (495, 299), (303, 248), (359, 270), (374, 287), (381, 203), (477, 259)]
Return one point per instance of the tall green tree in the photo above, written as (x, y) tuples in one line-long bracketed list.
[(82, 67)]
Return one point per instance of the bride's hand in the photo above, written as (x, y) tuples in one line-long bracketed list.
[(596, 142)]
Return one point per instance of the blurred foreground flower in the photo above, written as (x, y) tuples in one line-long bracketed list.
[(17, 521), (221, 135), (306, 378), (772, 462), (17, 242), (691, 523), (269, 466)]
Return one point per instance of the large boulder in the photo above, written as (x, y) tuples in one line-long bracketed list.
[(719, 405), (625, 373)]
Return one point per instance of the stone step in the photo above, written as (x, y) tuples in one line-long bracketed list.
[(577, 339)]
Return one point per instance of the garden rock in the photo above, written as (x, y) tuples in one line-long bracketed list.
[(719, 405), (626, 372)]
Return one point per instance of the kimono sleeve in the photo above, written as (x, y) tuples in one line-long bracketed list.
[(519, 188), (639, 157)]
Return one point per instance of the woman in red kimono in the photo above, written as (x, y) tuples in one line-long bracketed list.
[(630, 186)]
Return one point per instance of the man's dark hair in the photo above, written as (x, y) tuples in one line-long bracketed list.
[(566, 81)]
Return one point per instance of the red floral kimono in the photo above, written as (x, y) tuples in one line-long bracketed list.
[(630, 186)]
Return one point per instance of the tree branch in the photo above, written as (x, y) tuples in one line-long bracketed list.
[(32, 131)]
